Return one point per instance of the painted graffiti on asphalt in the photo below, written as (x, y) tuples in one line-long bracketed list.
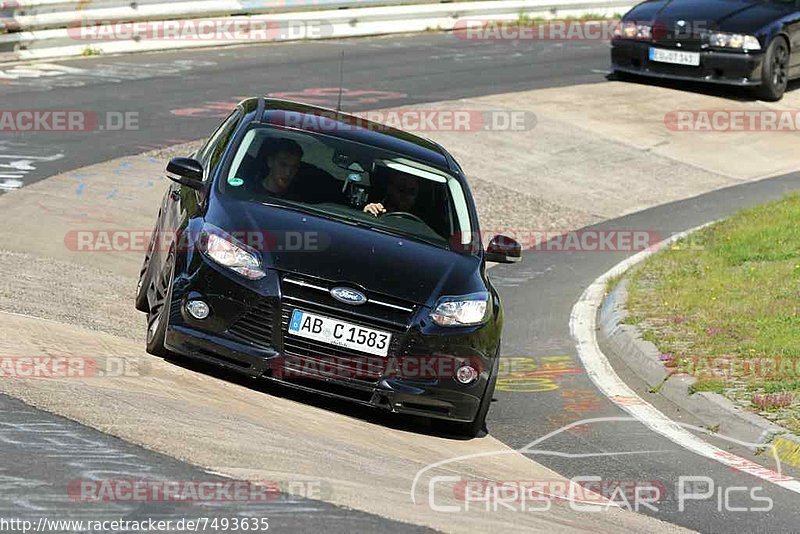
[(534, 375), (18, 161), (327, 97), (210, 110), (46, 76)]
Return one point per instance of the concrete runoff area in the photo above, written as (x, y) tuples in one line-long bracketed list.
[(245, 433), (583, 162)]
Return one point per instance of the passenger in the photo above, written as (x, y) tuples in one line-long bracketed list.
[(283, 162)]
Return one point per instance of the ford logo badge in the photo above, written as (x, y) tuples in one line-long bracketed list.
[(349, 296)]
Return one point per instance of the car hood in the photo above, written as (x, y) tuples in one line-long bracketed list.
[(342, 253), (740, 16)]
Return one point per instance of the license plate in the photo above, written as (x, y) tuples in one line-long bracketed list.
[(676, 57), (339, 333)]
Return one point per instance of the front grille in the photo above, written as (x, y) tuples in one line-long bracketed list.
[(256, 325), (380, 311), (304, 355), (687, 45), (312, 363), (680, 38)]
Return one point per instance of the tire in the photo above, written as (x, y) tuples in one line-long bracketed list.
[(145, 277), (775, 74), (478, 425), (158, 314)]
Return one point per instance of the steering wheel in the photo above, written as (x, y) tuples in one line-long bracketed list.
[(403, 215)]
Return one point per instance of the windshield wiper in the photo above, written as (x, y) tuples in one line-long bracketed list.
[(412, 237), (305, 208)]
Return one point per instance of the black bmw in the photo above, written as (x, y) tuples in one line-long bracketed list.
[(331, 254), (749, 43)]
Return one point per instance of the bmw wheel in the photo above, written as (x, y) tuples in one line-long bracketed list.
[(775, 75)]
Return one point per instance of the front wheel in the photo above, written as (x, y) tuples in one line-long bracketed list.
[(775, 72), (158, 314), (145, 275)]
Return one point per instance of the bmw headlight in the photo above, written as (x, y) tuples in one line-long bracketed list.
[(634, 30), (466, 310), (733, 40), (231, 253)]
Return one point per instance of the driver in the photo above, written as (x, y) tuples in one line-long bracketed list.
[(402, 191)]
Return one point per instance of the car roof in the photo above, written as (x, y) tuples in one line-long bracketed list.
[(306, 117)]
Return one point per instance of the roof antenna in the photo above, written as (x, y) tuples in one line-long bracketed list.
[(341, 84)]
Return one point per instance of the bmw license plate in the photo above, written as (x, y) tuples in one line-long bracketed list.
[(339, 333), (676, 57)]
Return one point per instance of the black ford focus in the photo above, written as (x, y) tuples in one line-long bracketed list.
[(331, 254), (748, 43)]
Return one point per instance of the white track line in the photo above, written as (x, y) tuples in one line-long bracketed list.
[(583, 326)]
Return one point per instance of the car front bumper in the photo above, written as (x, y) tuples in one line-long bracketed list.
[(728, 68), (247, 333)]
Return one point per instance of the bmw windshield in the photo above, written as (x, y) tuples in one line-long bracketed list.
[(351, 182)]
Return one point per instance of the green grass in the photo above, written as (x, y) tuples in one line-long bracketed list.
[(612, 283), (732, 291), (90, 51), (712, 385)]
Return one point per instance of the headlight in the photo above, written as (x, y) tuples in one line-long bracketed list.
[(733, 40), (633, 30), (751, 43), (230, 253), (461, 311)]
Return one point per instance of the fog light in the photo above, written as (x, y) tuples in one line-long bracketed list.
[(198, 309), (467, 374)]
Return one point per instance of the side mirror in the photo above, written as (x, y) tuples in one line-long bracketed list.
[(503, 249), (186, 171)]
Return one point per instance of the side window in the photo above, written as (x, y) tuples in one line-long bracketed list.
[(202, 153), (211, 154)]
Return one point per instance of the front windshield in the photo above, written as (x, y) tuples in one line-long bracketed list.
[(349, 181)]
